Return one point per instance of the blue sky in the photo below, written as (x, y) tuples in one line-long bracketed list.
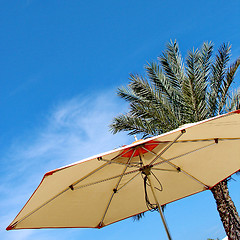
[(61, 62)]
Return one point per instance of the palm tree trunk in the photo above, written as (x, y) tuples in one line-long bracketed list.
[(227, 210)]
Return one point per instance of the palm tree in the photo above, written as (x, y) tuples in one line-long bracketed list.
[(172, 94)]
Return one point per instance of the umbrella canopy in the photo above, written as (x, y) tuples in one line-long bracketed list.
[(118, 184)]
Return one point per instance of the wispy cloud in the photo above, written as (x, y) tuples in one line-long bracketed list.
[(72, 130)]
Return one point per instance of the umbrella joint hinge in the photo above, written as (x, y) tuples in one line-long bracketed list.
[(99, 158), (71, 187), (115, 190), (216, 140), (179, 169), (146, 170)]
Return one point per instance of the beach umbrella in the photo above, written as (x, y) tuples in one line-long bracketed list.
[(132, 179)]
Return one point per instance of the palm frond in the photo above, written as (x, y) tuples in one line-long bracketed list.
[(218, 72), (158, 79), (139, 90), (133, 126), (230, 74), (138, 216), (195, 84), (163, 86), (172, 65), (206, 52)]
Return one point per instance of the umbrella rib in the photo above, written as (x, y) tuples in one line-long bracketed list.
[(167, 160), (180, 169), (192, 140), (168, 170), (184, 154), (128, 181), (89, 174), (125, 164), (150, 151), (207, 140), (168, 146), (189, 175), (106, 179), (115, 190)]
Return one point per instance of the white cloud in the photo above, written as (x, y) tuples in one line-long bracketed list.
[(72, 130)]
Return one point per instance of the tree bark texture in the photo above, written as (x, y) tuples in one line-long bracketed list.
[(227, 210)]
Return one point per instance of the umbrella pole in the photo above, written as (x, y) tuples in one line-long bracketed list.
[(148, 173), (159, 208)]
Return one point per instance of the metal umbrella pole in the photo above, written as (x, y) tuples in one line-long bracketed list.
[(159, 207), (147, 172)]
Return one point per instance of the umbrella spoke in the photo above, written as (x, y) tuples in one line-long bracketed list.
[(181, 155), (184, 154), (150, 151), (129, 181), (168, 170), (115, 189), (88, 175), (168, 146), (189, 175), (207, 140), (192, 140), (120, 163), (105, 179)]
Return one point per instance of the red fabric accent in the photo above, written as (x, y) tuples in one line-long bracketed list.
[(149, 145), (49, 173), (9, 228), (237, 111)]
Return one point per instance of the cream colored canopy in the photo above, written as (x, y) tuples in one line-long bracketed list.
[(109, 187)]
